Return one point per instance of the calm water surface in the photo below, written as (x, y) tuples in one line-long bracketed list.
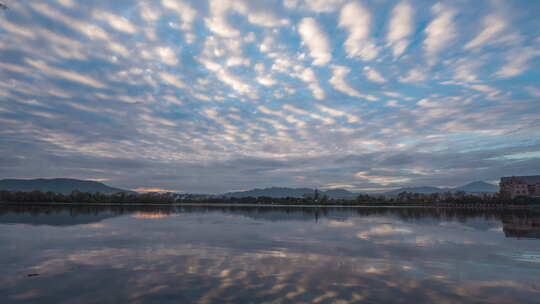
[(268, 255)]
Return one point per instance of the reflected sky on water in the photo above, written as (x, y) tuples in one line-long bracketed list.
[(268, 255)]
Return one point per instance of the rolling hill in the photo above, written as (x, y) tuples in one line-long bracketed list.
[(58, 185), (280, 192), (474, 187), (478, 187)]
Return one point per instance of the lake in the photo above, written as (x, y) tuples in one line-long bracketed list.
[(63, 254)]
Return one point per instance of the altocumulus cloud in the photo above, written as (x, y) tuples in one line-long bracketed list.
[(210, 96)]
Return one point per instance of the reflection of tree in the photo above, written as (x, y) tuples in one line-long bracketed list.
[(522, 226), (273, 213), (176, 267)]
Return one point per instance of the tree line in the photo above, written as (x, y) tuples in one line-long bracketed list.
[(406, 214), (84, 197), (459, 198)]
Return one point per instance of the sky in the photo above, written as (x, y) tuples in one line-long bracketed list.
[(210, 96)]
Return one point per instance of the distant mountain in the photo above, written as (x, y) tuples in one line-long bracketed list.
[(279, 192), (424, 190), (58, 185), (477, 187), (474, 187), (271, 192), (340, 194)]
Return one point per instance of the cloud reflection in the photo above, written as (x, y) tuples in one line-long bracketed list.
[(232, 255)]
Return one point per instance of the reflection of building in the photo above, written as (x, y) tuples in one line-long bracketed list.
[(520, 186), (521, 227)]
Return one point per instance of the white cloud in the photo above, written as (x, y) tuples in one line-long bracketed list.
[(118, 49), (339, 83), (185, 11), (392, 103), (90, 30), (201, 96), (265, 18), (289, 118), (238, 61), (250, 37), (232, 80), (426, 103), (157, 120), (213, 47), (266, 44), (266, 81), (401, 26), (373, 75), (350, 118), (414, 75), (149, 13), (173, 80), (517, 62), (228, 78), (116, 22), (491, 92), (308, 76), (392, 94), (281, 65), (150, 33), (291, 4), (68, 75), (66, 3), (13, 28), (493, 26), (317, 6), (58, 93), (305, 113), (535, 92), (440, 32), (166, 55), (219, 10), (320, 6), (217, 22), (71, 48), (464, 69), (357, 20), (172, 99), (316, 40), (259, 67)]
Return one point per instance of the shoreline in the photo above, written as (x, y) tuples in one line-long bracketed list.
[(442, 206)]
